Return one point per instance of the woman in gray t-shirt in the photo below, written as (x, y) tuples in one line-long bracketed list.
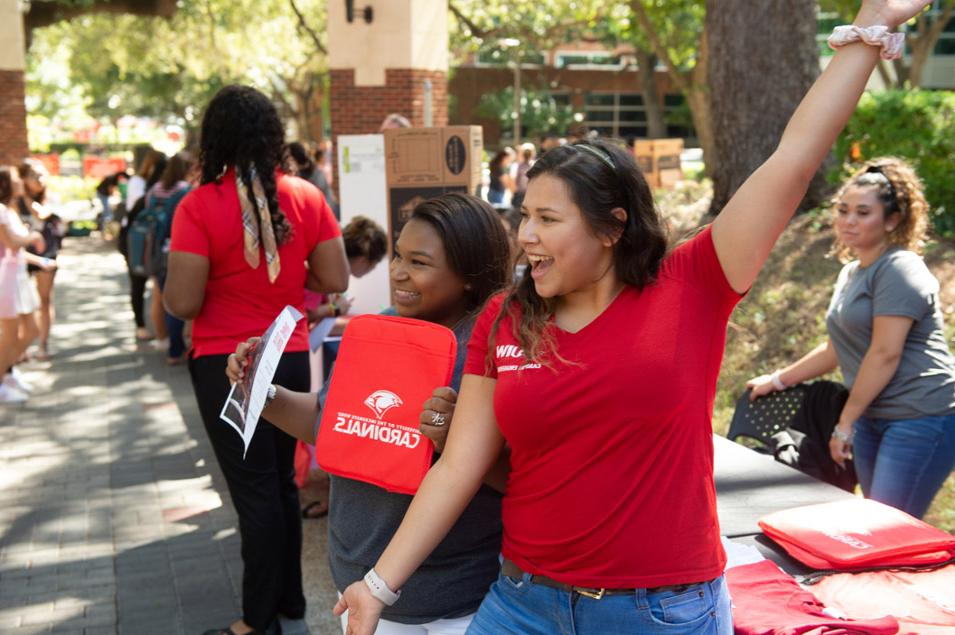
[(886, 335)]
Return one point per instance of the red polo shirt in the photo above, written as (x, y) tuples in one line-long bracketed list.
[(240, 302), (611, 480)]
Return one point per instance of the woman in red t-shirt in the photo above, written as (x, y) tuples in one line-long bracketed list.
[(243, 245), (599, 370)]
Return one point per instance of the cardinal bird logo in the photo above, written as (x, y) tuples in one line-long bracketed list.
[(381, 401)]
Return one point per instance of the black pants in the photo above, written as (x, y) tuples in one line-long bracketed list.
[(137, 289), (263, 491)]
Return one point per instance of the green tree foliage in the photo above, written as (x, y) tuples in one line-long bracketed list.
[(915, 125), (540, 114), (169, 68)]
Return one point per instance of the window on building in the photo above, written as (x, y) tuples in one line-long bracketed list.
[(599, 60), (615, 114)]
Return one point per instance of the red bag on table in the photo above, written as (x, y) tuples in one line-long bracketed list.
[(857, 534), (387, 367)]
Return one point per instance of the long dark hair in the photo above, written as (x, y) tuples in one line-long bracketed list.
[(600, 177), (474, 240), (6, 184), (177, 168), (242, 129)]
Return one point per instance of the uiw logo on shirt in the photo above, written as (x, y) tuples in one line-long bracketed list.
[(506, 352)]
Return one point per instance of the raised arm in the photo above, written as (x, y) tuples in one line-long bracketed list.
[(747, 228), (474, 444)]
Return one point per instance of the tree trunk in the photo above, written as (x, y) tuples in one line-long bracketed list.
[(697, 95), (646, 63), (762, 60)]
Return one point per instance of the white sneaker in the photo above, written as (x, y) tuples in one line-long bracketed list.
[(11, 395), (15, 380)]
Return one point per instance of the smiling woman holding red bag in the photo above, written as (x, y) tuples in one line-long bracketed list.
[(451, 256)]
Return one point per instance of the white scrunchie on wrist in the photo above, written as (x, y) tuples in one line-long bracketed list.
[(890, 43)]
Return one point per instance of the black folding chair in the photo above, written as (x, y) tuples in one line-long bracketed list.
[(794, 426)]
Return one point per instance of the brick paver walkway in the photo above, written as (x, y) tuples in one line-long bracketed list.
[(114, 517)]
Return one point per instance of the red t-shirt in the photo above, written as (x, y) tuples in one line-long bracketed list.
[(240, 302), (611, 480)]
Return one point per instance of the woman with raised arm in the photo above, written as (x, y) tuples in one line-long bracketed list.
[(451, 256), (886, 334), (243, 243), (599, 370)]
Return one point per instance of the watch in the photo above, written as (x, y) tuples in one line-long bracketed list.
[(270, 395), (379, 588)]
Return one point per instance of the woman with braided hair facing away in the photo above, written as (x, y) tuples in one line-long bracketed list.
[(245, 243), (886, 335), (599, 371)]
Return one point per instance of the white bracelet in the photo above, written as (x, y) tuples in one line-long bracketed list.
[(842, 436), (777, 382), (380, 589), (891, 43)]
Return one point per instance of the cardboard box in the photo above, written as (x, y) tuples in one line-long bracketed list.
[(659, 159), (422, 163)]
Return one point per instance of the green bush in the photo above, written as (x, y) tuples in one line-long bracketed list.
[(916, 125)]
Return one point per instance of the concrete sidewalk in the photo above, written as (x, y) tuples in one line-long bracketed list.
[(114, 516)]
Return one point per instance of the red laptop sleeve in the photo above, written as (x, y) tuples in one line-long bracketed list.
[(387, 368), (857, 534)]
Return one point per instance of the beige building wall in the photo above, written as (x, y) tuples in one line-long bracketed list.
[(404, 34), (11, 36)]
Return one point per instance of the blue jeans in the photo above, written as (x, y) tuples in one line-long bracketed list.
[(107, 214), (903, 463), (521, 607)]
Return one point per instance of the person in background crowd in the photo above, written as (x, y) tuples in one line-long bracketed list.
[(500, 176), (35, 214), (527, 155), (886, 334), (239, 241), (394, 120), (18, 297), (152, 168), (599, 372), (163, 197), (298, 162), (104, 191), (450, 257), (139, 183), (366, 244), (324, 154)]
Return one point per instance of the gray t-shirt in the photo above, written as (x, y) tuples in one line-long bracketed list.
[(362, 519), (897, 284)]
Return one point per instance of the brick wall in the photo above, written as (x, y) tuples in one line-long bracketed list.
[(13, 118), (361, 109)]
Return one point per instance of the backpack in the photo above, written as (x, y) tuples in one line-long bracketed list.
[(157, 243), (149, 232)]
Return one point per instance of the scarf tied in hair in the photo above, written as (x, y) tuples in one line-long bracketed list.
[(251, 228)]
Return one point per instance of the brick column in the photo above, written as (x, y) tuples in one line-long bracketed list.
[(361, 109), (380, 67), (13, 113), (13, 118)]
